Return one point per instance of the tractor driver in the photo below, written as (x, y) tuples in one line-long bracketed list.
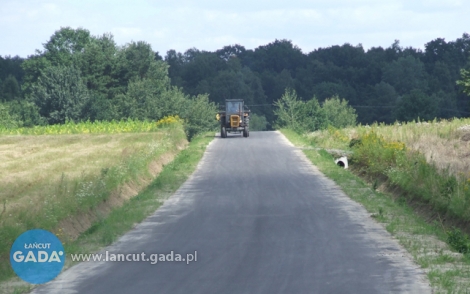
[(233, 107)]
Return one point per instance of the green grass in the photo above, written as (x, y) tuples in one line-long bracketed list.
[(447, 270), (428, 162), (122, 219)]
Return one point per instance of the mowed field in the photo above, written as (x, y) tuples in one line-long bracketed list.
[(63, 183), (445, 143), (32, 166)]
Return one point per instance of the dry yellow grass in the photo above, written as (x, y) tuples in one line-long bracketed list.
[(66, 183), (31, 166), (445, 143)]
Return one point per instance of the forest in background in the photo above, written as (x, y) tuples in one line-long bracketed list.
[(382, 84), (77, 76)]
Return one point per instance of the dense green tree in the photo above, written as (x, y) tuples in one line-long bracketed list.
[(288, 109), (98, 64), (416, 105), (446, 104), (200, 65), (441, 78), (380, 104), (64, 44), (33, 67), (229, 52), (465, 81), (135, 60), (10, 89), (325, 90), (122, 81), (26, 113), (230, 84), (277, 56), (338, 113), (258, 122), (406, 74), (309, 116), (312, 116), (143, 99), (175, 70), (100, 108), (198, 114), (60, 94), (11, 66), (6, 120)]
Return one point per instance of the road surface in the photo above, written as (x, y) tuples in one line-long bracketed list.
[(262, 220)]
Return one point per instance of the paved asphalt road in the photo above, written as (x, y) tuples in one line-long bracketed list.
[(262, 220)]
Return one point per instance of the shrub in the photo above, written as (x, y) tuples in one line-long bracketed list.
[(458, 241), (338, 113), (168, 121), (375, 153), (258, 122)]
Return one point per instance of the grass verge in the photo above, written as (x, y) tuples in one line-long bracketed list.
[(123, 218), (447, 270)]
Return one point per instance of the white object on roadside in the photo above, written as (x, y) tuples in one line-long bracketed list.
[(342, 161)]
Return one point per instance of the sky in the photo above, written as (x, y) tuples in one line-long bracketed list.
[(25, 25)]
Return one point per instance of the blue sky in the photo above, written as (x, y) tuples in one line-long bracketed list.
[(209, 25)]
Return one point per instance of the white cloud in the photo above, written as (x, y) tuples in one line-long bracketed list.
[(210, 25), (127, 32)]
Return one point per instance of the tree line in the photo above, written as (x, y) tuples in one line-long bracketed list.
[(77, 76), (80, 77), (383, 84)]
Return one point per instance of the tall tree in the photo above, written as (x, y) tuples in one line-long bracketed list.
[(465, 81), (288, 110), (10, 89), (416, 105), (406, 74), (98, 62), (64, 44), (338, 113), (60, 94)]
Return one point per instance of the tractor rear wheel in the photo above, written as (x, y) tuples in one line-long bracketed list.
[(223, 132)]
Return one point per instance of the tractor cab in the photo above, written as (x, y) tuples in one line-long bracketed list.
[(235, 118)]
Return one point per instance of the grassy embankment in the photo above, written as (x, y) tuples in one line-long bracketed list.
[(414, 179), (83, 185)]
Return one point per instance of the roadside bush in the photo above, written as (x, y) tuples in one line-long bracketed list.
[(168, 121), (338, 113), (6, 120), (374, 153), (288, 110), (458, 241), (258, 122), (199, 116), (309, 116), (409, 170)]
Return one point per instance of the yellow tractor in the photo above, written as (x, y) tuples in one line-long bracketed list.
[(234, 119)]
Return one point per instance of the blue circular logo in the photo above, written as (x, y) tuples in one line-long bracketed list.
[(37, 256)]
